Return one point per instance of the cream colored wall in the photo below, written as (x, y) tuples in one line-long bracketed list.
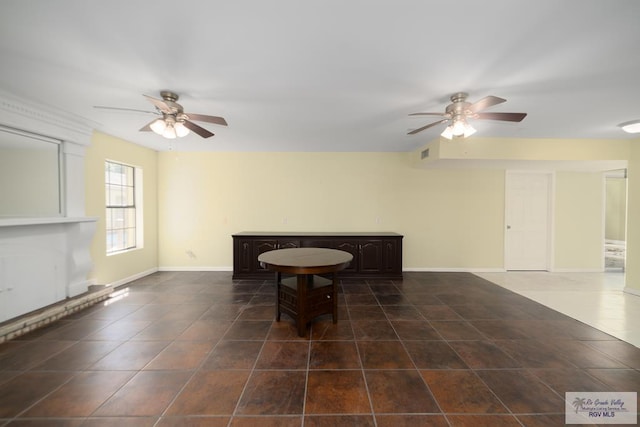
[(534, 149), (116, 268), (616, 208), (579, 221), (450, 218), (632, 264), (454, 219)]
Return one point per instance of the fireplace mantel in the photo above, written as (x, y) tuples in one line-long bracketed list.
[(21, 222), (44, 260)]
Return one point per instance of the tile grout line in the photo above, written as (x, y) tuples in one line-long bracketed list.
[(306, 378), (362, 370)]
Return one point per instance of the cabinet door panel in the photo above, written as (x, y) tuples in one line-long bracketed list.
[(391, 257), (350, 246), (287, 244), (260, 246), (244, 261), (370, 256)]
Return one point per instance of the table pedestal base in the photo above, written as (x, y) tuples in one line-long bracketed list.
[(306, 297)]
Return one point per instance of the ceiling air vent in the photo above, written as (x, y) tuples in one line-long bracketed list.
[(424, 154)]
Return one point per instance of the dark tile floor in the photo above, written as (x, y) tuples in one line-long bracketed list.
[(198, 349)]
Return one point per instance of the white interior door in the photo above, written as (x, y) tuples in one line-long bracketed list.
[(527, 215)]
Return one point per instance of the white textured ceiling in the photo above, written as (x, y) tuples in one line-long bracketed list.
[(292, 75)]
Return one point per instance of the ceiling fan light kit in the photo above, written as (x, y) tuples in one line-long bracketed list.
[(181, 130), (169, 128), (631, 127), (459, 128), (457, 113), (158, 126)]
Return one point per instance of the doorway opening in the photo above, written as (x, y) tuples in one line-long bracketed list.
[(615, 218)]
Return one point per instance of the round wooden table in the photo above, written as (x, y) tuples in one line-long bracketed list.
[(306, 295)]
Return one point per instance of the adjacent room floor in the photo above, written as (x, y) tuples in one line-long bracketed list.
[(597, 299), (198, 349)]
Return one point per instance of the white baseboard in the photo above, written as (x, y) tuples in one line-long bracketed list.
[(454, 270), (502, 270), (200, 268), (132, 278)]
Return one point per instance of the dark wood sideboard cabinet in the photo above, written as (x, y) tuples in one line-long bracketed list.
[(376, 255)]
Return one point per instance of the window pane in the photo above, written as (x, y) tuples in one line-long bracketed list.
[(112, 241), (131, 218), (119, 240), (115, 173), (119, 196), (130, 236), (117, 218), (115, 195)]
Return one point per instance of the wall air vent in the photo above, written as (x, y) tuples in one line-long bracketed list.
[(424, 154)]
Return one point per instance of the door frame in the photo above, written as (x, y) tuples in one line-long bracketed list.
[(551, 193), (615, 173)]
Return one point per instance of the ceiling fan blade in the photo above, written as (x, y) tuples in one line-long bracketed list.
[(160, 104), (102, 107), (507, 117), (197, 129), (486, 102), (147, 127), (209, 119), (428, 114), (413, 132)]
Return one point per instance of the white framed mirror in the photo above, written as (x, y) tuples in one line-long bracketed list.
[(30, 175)]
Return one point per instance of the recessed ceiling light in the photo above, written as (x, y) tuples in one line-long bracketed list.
[(631, 127)]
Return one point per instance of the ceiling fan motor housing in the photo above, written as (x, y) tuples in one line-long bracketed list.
[(459, 109), (170, 99), (169, 96)]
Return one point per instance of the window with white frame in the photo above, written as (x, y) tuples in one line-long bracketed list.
[(123, 219)]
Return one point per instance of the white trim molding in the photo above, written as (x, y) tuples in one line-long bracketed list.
[(198, 268), (136, 276), (44, 120), (454, 270)]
